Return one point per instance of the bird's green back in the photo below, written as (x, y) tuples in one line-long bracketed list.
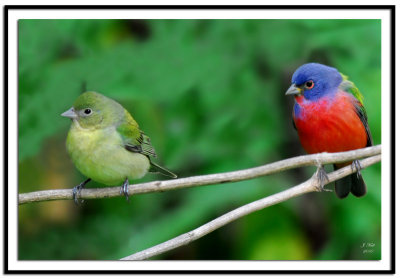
[(350, 87)]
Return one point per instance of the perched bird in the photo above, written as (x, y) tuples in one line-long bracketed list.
[(329, 116), (106, 144)]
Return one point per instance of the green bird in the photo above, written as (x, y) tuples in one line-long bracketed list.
[(106, 144)]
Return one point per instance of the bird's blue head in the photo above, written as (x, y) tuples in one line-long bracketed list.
[(314, 81)]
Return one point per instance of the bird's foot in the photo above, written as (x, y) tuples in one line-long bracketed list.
[(356, 165), (124, 189), (322, 178), (77, 191)]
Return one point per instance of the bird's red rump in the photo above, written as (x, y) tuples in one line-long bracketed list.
[(330, 124)]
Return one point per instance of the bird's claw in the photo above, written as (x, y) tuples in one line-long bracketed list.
[(356, 165), (124, 189), (322, 179), (76, 191)]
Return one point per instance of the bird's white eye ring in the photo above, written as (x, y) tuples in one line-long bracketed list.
[(87, 111)]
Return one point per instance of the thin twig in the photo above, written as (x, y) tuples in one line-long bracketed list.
[(166, 185), (311, 185)]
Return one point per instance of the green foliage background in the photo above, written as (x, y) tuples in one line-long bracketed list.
[(210, 94)]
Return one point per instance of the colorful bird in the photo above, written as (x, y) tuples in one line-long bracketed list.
[(106, 144), (329, 116)]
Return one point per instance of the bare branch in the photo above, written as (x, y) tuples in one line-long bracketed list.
[(166, 185), (311, 185)]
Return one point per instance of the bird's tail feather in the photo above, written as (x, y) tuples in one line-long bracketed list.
[(159, 169), (358, 187), (343, 187), (353, 183)]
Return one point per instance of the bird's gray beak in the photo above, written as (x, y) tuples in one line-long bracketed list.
[(293, 90), (70, 113)]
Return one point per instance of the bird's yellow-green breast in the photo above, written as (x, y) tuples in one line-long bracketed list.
[(100, 155)]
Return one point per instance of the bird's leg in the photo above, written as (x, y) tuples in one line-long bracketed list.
[(77, 191), (322, 178), (124, 189), (357, 166)]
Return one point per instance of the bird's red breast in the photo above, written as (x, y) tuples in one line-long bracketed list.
[(330, 124)]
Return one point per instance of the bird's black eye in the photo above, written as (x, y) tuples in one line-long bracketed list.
[(309, 84), (87, 111)]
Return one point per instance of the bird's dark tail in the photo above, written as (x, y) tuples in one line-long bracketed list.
[(358, 187), (353, 183), (159, 169)]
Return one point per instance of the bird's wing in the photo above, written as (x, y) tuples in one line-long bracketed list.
[(362, 114), (134, 139), (350, 87), (137, 141)]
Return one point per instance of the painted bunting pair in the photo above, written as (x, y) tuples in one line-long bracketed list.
[(106, 144)]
